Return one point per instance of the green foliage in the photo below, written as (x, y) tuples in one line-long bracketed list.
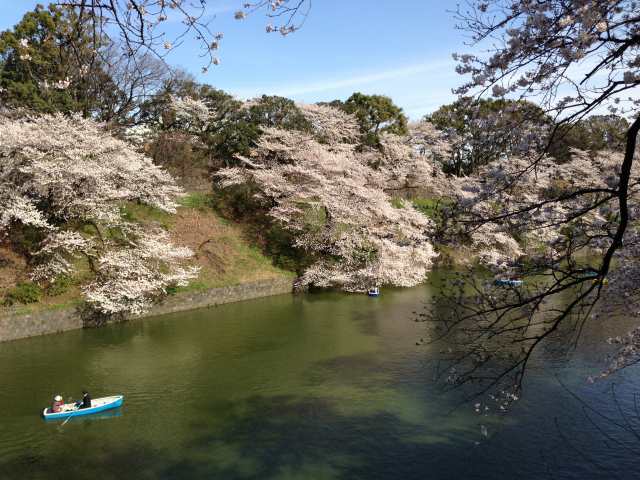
[(457, 114), (232, 128), (315, 216), (432, 207), (435, 208), (278, 246), (238, 202), (598, 132), (280, 112), (397, 202), (557, 187), (242, 127), (141, 213), (42, 60), (484, 130), (25, 239), (366, 254), (376, 114), (233, 137), (60, 285), (28, 56), (174, 151), (25, 293), (198, 201)]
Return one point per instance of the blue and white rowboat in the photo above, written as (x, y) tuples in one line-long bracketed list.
[(508, 282), (71, 410)]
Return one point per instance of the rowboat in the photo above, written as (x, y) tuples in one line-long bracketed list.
[(590, 274), (374, 292), (69, 410), (508, 282)]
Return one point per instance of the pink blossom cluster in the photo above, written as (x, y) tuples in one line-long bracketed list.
[(535, 199), (334, 199), (58, 173)]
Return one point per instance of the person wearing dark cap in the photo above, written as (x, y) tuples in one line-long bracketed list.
[(86, 400)]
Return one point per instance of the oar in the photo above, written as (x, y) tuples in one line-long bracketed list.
[(69, 417)]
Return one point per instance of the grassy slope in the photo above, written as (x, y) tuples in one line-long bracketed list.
[(221, 249), (223, 254)]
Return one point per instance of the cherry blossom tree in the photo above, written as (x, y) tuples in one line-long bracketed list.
[(333, 198), (551, 226), (52, 61), (574, 58), (138, 26), (70, 180), (107, 57), (286, 16)]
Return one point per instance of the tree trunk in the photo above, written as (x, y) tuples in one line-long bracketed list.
[(623, 192)]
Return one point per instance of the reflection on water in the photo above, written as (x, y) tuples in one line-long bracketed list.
[(325, 386)]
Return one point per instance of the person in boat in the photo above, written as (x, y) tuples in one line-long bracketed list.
[(86, 400), (57, 404)]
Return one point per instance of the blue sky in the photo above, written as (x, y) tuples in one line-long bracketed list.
[(399, 48)]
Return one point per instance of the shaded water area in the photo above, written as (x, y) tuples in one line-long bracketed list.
[(320, 386)]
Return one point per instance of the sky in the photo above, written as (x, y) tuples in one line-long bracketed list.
[(399, 48)]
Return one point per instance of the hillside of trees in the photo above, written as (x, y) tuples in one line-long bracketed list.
[(122, 185)]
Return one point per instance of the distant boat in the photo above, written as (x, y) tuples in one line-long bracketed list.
[(374, 292), (508, 282), (69, 410), (590, 274), (593, 275)]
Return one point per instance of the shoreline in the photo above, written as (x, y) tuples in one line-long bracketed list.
[(21, 325)]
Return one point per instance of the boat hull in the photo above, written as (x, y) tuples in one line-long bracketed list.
[(98, 405), (508, 283)]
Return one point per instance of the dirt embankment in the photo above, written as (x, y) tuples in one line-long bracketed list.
[(223, 252)]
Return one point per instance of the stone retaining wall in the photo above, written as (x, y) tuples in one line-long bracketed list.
[(14, 326)]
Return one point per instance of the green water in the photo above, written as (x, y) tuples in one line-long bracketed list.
[(322, 386)]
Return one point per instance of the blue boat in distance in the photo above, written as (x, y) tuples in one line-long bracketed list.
[(71, 409), (374, 292), (590, 273), (508, 282)]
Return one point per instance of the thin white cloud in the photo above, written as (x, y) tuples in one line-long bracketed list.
[(297, 90), (417, 111)]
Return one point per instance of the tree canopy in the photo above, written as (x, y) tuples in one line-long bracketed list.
[(52, 62), (376, 114), (483, 130), (67, 178), (316, 185), (576, 58), (38, 64)]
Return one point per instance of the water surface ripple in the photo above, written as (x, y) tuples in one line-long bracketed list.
[(323, 386)]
